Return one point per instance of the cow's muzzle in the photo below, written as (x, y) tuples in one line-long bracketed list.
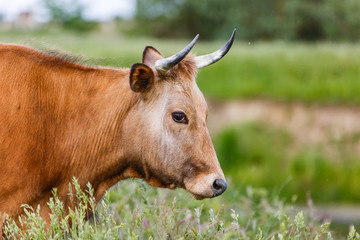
[(206, 186), (219, 186)]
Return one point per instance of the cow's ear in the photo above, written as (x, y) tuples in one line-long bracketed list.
[(141, 78), (151, 55)]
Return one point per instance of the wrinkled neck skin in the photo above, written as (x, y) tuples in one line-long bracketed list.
[(108, 160)]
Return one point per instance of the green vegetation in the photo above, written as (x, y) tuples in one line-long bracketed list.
[(68, 15), (305, 20), (325, 73), (288, 72), (262, 156), (141, 212)]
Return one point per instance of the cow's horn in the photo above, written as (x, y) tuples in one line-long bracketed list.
[(163, 65), (206, 60)]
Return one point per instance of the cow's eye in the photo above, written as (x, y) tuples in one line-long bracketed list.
[(179, 117)]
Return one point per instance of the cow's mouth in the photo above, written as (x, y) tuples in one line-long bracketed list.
[(198, 197)]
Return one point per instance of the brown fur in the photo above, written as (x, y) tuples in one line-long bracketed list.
[(60, 119)]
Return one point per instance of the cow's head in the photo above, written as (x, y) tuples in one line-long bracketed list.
[(172, 146)]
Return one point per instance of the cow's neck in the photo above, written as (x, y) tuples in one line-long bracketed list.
[(92, 128)]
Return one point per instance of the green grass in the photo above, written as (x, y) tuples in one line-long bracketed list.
[(136, 211), (287, 72), (262, 156), (326, 73)]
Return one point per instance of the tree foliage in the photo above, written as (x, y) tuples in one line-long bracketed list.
[(69, 14), (306, 20)]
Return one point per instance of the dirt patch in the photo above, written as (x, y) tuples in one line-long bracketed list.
[(306, 123)]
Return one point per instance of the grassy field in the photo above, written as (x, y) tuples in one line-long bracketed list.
[(322, 73)]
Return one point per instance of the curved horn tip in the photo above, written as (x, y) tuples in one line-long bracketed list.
[(206, 60), (233, 34), (231, 40)]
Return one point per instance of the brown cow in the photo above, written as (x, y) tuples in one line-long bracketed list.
[(60, 119)]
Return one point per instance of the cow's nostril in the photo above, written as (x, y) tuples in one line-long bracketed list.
[(219, 186)]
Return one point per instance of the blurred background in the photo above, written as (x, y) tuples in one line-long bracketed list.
[(284, 103)]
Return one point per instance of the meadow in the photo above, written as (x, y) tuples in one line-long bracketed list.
[(268, 170)]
